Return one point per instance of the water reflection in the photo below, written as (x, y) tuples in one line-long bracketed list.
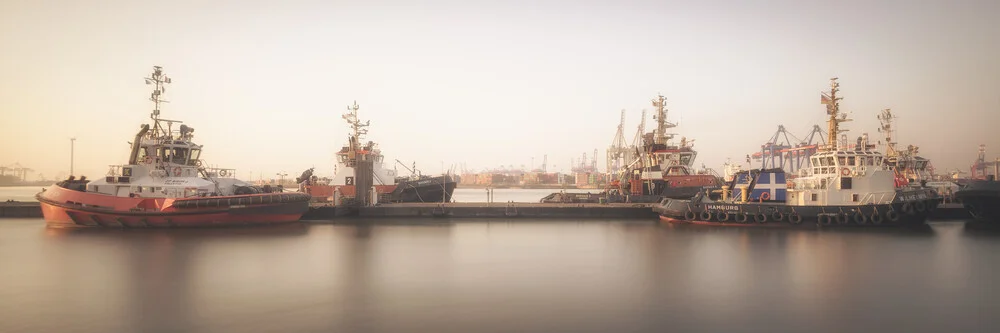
[(496, 275)]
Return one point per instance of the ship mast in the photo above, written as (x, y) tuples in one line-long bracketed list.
[(661, 136), (833, 110), (887, 118), (157, 79), (358, 129)]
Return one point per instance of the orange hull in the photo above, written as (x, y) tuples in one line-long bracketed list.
[(67, 208)]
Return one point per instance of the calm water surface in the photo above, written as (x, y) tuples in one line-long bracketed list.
[(497, 276)]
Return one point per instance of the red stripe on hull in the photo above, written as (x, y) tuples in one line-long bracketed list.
[(67, 208), (56, 216), (728, 224)]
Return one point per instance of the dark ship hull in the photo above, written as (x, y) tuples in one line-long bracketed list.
[(618, 197), (759, 207), (674, 187), (982, 200), (429, 189), (911, 207)]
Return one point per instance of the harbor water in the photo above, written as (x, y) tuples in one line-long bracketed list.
[(448, 275)]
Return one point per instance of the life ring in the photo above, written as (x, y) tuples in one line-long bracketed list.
[(223, 173), (197, 163), (147, 160), (689, 215), (845, 172), (177, 171), (706, 216), (794, 218), (761, 218), (765, 196)]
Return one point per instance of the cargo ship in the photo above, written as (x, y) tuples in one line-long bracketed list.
[(843, 186), (387, 184), (981, 194), (659, 168), (982, 199), (166, 184)]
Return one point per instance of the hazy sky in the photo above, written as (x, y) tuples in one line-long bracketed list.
[(264, 83)]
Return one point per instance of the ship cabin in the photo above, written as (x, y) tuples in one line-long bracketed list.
[(168, 166), (843, 177), (347, 161), (674, 156)]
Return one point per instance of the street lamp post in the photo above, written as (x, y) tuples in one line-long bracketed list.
[(72, 142)]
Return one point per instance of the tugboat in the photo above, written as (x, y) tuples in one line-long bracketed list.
[(166, 184), (388, 186), (844, 185), (661, 169)]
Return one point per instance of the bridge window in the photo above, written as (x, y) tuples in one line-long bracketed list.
[(195, 155), (851, 161), (686, 159), (843, 160)]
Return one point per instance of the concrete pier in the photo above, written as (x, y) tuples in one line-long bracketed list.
[(20, 209), (510, 210), (476, 209)]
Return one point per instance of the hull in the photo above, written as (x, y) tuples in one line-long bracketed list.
[(648, 191), (982, 200), (67, 208), (434, 189), (913, 210)]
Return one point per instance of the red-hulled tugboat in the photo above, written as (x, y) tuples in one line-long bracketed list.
[(165, 184)]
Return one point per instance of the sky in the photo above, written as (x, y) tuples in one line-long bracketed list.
[(487, 83)]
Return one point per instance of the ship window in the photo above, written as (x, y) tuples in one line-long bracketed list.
[(843, 160), (845, 183), (814, 197), (195, 154), (138, 189), (179, 156), (855, 197), (829, 161), (851, 161)]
